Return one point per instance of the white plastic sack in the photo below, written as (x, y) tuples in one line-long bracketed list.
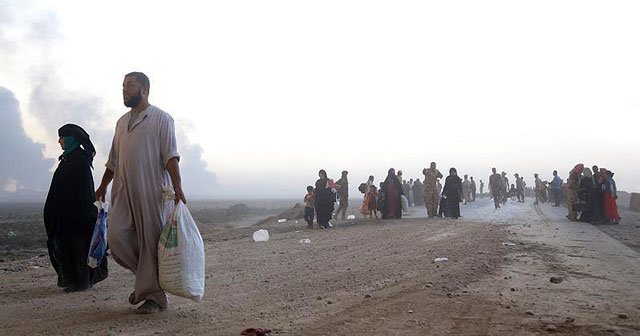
[(405, 203), (181, 255), (261, 235)]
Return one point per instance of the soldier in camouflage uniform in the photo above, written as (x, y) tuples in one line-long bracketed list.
[(431, 175), (495, 187)]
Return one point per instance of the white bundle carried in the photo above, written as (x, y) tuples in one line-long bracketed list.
[(405, 203), (181, 255)]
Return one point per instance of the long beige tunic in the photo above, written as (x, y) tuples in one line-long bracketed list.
[(138, 159)]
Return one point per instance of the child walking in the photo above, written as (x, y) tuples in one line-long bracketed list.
[(308, 207)]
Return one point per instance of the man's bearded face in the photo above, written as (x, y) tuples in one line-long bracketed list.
[(133, 100)]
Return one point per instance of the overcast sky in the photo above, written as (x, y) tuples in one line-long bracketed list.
[(265, 93)]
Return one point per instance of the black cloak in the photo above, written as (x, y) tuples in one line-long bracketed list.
[(325, 202), (392, 182), (69, 219), (453, 192)]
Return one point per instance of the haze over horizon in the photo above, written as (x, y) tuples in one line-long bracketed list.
[(264, 94)]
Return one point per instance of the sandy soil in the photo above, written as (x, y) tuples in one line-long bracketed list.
[(368, 277)]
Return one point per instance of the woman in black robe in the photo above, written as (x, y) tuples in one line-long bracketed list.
[(325, 200), (392, 193), (453, 192), (69, 212), (586, 194)]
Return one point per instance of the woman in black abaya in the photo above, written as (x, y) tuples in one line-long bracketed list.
[(453, 192), (325, 200), (392, 196), (69, 212), (587, 195)]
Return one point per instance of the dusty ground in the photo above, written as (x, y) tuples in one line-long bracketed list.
[(369, 277)]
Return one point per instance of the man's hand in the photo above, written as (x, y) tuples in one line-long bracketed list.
[(101, 193), (176, 181), (179, 195)]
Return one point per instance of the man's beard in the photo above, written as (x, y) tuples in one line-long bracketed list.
[(134, 100)]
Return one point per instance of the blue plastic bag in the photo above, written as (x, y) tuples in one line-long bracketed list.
[(98, 247)]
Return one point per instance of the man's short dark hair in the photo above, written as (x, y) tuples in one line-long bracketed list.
[(140, 78)]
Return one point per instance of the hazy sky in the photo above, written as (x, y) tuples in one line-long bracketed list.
[(265, 93)]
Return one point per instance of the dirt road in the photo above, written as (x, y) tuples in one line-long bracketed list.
[(367, 277)]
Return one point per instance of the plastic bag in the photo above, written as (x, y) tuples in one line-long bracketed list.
[(181, 256), (261, 235), (98, 247)]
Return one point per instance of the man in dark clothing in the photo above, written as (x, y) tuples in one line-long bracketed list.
[(473, 189), (597, 210), (495, 187), (417, 193), (519, 187)]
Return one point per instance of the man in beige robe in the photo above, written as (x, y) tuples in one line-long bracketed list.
[(143, 164)]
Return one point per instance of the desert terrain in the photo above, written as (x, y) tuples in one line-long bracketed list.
[(520, 270)]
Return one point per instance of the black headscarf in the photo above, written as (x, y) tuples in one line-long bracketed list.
[(81, 135)]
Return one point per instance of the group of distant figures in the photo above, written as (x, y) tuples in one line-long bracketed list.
[(395, 192), (501, 191), (391, 197), (320, 200), (590, 195)]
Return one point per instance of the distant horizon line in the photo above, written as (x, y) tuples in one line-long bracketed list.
[(5, 199)]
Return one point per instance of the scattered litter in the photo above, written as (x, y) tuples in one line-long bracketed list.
[(441, 259), (556, 280), (11, 234), (256, 332), (330, 225), (261, 235), (509, 244), (34, 267), (296, 222), (305, 241), (282, 220), (351, 217)]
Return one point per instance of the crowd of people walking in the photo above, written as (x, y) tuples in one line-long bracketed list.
[(590, 195)]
